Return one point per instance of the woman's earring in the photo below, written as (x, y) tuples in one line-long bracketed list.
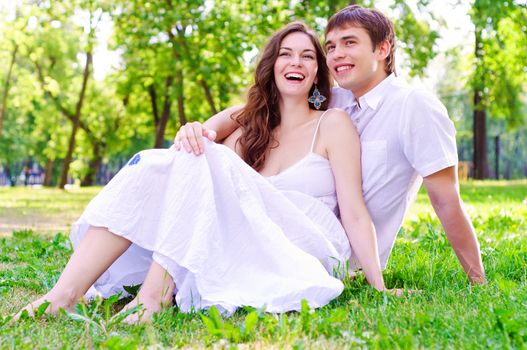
[(316, 99)]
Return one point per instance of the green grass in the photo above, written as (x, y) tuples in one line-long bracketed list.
[(44, 210), (448, 313)]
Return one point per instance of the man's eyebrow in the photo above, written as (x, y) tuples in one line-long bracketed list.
[(344, 38), (349, 37)]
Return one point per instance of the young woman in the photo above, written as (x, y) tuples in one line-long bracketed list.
[(251, 222)]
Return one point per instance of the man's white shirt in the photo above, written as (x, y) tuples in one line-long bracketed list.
[(405, 135)]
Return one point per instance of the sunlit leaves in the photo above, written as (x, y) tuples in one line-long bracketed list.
[(500, 72)]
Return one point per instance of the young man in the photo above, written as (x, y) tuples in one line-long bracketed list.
[(406, 135)]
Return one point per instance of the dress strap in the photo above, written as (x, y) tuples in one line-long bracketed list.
[(316, 131)]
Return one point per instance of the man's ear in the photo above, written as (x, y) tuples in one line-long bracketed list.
[(383, 50)]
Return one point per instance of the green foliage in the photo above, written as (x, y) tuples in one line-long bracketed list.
[(189, 59), (222, 329), (179, 61), (33, 255), (98, 314), (415, 36), (500, 72)]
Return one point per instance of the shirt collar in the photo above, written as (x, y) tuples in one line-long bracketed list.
[(372, 98)]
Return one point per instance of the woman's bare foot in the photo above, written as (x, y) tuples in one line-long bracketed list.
[(147, 306), (55, 302), (156, 293)]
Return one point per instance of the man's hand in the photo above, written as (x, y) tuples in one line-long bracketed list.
[(190, 137)]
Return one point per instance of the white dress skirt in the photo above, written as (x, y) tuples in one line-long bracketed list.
[(226, 235)]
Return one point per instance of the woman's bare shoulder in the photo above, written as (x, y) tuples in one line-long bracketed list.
[(337, 121)]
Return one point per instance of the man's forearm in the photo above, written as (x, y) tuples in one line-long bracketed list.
[(462, 237), (443, 190)]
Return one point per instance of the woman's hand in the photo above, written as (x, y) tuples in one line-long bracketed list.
[(190, 137), (398, 292)]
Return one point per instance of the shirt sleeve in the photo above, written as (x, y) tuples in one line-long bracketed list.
[(428, 135), (340, 98)]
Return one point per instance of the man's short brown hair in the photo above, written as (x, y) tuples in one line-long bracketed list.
[(378, 26)]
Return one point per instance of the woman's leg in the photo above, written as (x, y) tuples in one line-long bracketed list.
[(156, 292), (94, 255)]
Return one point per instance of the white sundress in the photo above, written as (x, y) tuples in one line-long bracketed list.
[(228, 236)]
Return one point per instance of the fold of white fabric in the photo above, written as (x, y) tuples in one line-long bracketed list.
[(226, 236)]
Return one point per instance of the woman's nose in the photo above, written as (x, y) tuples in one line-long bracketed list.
[(296, 61)]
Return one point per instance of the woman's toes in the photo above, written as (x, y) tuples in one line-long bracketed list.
[(32, 308), (53, 306), (146, 308)]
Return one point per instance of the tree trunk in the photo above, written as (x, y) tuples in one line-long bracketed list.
[(7, 170), (481, 162), (94, 166), (7, 84), (167, 104), (48, 174), (508, 170), (497, 156), (180, 80), (181, 100), (76, 123), (155, 111), (153, 102), (176, 55), (208, 95)]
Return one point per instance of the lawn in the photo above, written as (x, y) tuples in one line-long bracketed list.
[(447, 313)]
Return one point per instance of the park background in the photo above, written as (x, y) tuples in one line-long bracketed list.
[(86, 84)]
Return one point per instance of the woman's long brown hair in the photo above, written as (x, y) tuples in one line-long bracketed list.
[(261, 113)]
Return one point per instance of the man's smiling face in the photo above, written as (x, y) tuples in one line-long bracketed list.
[(353, 61)]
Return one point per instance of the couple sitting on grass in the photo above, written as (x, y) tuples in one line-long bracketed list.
[(309, 184)]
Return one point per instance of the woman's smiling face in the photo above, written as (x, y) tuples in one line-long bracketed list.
[(295, 69)]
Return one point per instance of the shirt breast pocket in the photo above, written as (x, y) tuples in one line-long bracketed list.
[(374, 161)]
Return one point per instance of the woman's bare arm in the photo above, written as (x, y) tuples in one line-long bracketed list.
[(232, 141), (342, 144)]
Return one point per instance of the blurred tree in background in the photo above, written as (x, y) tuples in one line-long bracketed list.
[(500, 70), (181, 61)]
